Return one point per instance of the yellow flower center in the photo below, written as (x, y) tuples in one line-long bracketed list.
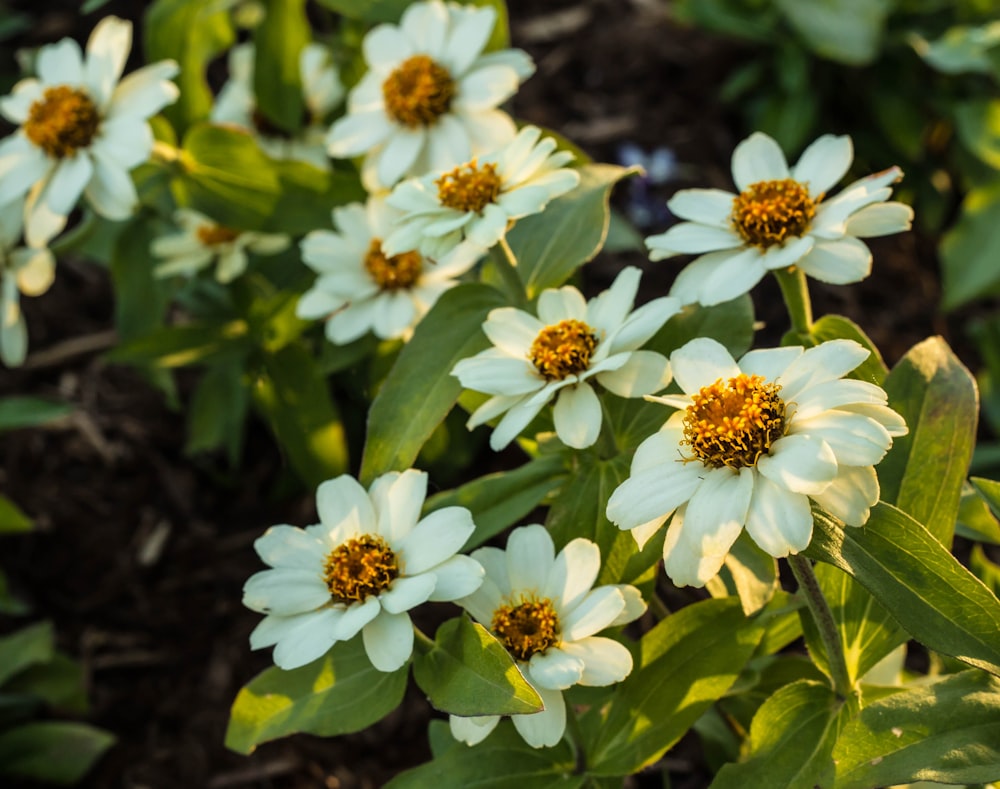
[(469, 187), (395, 273), (732, 423), (769, 212), (563, 349), (527, 628), (361, 567), (210, 235), (62, 122), (418, 92)]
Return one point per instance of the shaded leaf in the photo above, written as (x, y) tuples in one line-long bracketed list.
[(57, 752), (17, 412), (277, 83), (970, 248), (12, 517), (24, 648)]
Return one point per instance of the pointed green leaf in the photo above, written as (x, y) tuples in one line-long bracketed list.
[(227, 177), (502, 761), (946, 732), (276, 80), (58, 752), (924, 471), (337, 694), (192, 343), (420, 390), (58, 682), (791, 740), (218, 411), (970, 249), (977, 513), (140, 298), (469, 672), (499, 500), (24, 648), (295, 399), (550, 246), (191, 32), (688, 661), (12, 517), (923, 587), (17, 412)]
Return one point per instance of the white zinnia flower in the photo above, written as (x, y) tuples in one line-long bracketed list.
[(543, 609), (780, 218), (22, 270), (202, 240), (428, 101), (81, 130), (466, 211), (750, 446), (369, 561), (360, 288), (321, 90), (556, 354)]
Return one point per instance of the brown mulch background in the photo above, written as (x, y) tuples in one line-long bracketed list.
[(140, 553)]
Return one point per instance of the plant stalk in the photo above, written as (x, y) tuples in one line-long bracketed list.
[(506, 266), (819, 608), (795, 292)]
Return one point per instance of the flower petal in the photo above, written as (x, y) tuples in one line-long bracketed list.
[(554, 669), (838, 262), (291, 547), (305, 639), (705, 206), (388, 640), (577, 416), (344, 509), (407, 592), (691, 238), (435, 538), (851, 495), (543, 729), (473, 729), (880, 219), (653, 493), (285, 591), (605, 661), (398, 498), (457, 577), (778, 520), (573, 573), (645, 372), (758, 158), (799, 463), (824, 163), (355, 617), (530, 556), (596, 611), (855, 440), (702, 362)]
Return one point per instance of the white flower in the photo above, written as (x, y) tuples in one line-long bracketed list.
[(321, 90), (22, 270), (428, 101), (466, 211), (780, 218), (81, 130), (360, 288), (555, 354), (201, 240), (543, 609), (750, 446), (369, 561)]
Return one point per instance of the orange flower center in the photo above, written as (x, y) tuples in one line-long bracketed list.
[(361, 567), (563, 349), (396, 273), (768, 213), (211, 235), (469, 187), (62, 122), (527, 628), (418, 92)]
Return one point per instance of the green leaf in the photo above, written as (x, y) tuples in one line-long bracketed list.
[(731, 323), (946, 732), (218, 410), (307, 197), (337, 694), (193, 343), (978, 125), (499, 500), (469, 672), (9, 604), (748, 572), (688, 661), (791, 739), (970, 249), (918, 581), (12, 518), (58, 682), (276, 80), (985, 570), (140, 298), (191, 32), (26, 647), (502, 761), (847, 31), (57, 752), (961, 49), (924, 471), (368, 10), (976, 518), (18, 412), (227, 177), (420, 390), (837, 327), (550, 246), (294, 398)]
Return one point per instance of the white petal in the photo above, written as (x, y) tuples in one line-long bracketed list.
[(385, 47), (577, 416), (799, 463), (467, 37), (514, 421), (344, 509), (823, 363), (704, 206), (605, 661), (285, 591), (824, 163), (67, 183), (399, 154), (880, 219), (358, 133), (145, 91), (398, 498), (232, 263), (498, 374), (287, 546), (407, 592), (355, 617), (486, 87), (691, 238), (778, 257), (559, 304), (17, 105), (758, 158), (596, 611), (778, 520), (512, 330), (394, 313), (125, 141), (554, 669), (642, 324), (851, 495), (488, 130), (457, 577), (838, 262), (644, 373), (306, 641), (702, 362), (609, 309), (714, 516), (111, 191), (435, 538), (388, 640), (770, 363), (107, 50), (844, 392), (448, 144), (425, 24), (653, 493), (474, 729), (60, 63), (529, 558), (573, 573), (543, 729), (855, 439), (492, 408)]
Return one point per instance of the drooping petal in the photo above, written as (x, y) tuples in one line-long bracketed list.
[(577, 416), (851, 495), (111, 191), (307, 640), (778, 520), (543, 729), (596, 611), (474, 729), (645, 372), (514, 421), (880, 219), (653, 493), (355, 617), (838, 262), (554, 669), (388, 640), (855, 439)]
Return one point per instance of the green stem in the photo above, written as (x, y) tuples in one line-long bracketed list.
[(658, 607), (422, 642), (795, 292), (823, 616), (506, 266), (574, 734)]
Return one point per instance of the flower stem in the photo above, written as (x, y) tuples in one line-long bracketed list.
[(823, 616), (422, 642), (506, 266), (795, 292)]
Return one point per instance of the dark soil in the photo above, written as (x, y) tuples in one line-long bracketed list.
[(140, 553)]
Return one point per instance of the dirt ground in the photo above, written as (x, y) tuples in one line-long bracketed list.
[(140, 553)]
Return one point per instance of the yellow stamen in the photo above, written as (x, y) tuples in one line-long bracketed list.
[(563, 349), (768, 213), (527, 628), (469, 187), (418, 92), (211, 235), (62, 122), (392, 273), (732, 423), (361, 567)]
